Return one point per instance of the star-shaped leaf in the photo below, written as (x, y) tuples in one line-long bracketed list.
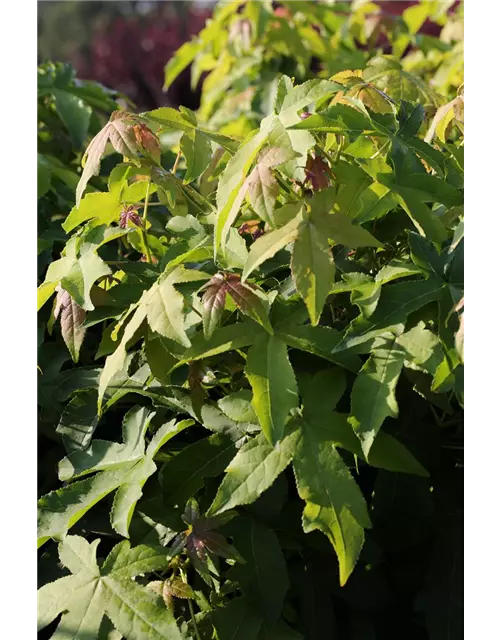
[(93, 591), (124, 467)]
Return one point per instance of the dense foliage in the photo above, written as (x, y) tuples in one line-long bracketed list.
[(251, 336)]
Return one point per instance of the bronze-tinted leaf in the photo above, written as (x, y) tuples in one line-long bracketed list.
[(213, 303), (249, 299), (178, 589), (119, 131), (147, 141), (72, 319), (317, 173), (262, 185), (459, 336)]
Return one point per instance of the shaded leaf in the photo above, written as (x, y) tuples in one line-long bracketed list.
[(79, 420), (263, 577), (75, 114), (125, 467), (183, 475), (334, 502), (238, 620), (396, 302), (373, 396)]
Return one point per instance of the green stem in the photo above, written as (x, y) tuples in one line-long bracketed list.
[(144, 219), (379, 151), (191, 610), (340, 148), (174, 168)]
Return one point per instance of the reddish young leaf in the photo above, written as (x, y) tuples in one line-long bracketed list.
[(72, 319), (147, 141), (120, 132), (317, 173), (213, 303), (250, 300)]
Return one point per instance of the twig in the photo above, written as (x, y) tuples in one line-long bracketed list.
[(174, 168), (144, 219), (191, 610)]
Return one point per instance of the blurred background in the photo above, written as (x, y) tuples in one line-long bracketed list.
[(125, 44)]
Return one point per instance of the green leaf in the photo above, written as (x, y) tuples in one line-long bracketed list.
[(90, 592), (218, 422), (415, 17), (353, 185), (182, 59), (135, 192), (130, 492), (321, 341), (238, 406), (387, 74), (164, 307), (341, 230), (269, 244), (170, 119), (431, 188), (232, 185), (264, 577), (425, 255), (228, 338), (183, 475), (104, 207), (252, 471), (425, 220), (302, 95), (373, 396), (259, 14), (422, 348), (321, 392), (278, 631), (237, 621), (313, 268), (396, 302), (334, 502), (197, 151), (339, 118), (75, 114), (159, 358), (116, 361), (273, 384), (125, 467), (78, 421), (79, 280), (55, 273), (365, 292), (385, 453), (320, 395), (234, 254), (44, 174)]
